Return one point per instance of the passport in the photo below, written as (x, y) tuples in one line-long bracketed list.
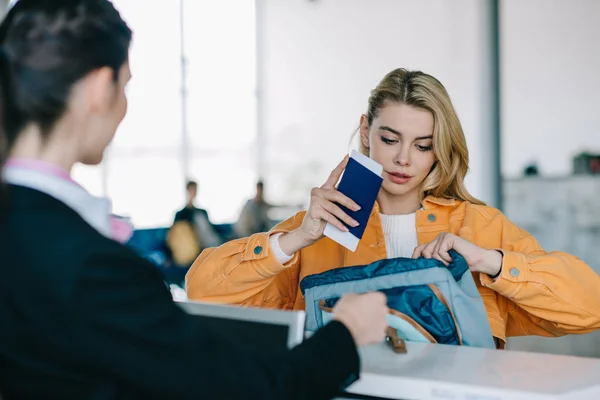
[(361, 182)]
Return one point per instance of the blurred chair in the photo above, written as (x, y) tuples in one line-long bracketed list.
[(152, 245)]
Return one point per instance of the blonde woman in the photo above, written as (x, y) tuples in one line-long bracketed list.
[(423, 209)]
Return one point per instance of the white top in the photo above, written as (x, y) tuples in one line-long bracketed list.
[(400, 232)]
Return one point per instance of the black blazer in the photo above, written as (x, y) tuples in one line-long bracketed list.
[(187, 214), (83, 317)]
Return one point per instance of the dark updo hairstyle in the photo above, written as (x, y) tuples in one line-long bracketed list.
[(46, 46)]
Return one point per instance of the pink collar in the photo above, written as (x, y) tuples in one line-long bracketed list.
[(44, 167)]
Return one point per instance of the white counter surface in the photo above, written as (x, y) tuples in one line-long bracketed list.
[(440, 372)]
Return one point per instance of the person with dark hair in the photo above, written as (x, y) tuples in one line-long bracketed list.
[(254, 216), (198, 218), (192, 231), (84, 317)]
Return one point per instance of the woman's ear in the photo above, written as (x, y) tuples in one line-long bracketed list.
[(100, 90), (364, 131)]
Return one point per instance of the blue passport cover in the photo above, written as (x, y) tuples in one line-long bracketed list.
[(361, 185)]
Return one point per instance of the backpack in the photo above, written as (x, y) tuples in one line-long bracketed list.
[(427, 300), (183, 243)]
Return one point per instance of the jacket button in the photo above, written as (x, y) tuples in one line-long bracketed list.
[(257, 250), (514, 272), (431, 218)]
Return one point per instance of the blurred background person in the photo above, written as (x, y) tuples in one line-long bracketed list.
[(192, 230), (255, 215)]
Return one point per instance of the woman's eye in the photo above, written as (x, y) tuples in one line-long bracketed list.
[(388, 141), (424, 148)]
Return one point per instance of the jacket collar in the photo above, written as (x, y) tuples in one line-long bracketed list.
[(372, 245), (429, 202)]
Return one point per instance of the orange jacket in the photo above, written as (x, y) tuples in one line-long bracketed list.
[(537, 293)]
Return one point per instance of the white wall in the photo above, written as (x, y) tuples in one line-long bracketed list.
[(560, 221), (320, 60), (551, 83)]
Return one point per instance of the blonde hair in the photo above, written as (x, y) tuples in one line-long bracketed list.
[(420, 90)]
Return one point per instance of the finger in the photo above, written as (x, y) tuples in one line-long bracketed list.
[(349, 295), (340, 198), (428, 249), (440, 250), (438, 257), (427, 252), (380, 297), (439, 239), (335, 174), (317, 193), (437, 246), (316, 197), (339, 214), (327, 217), (443, 251), (418, 251)]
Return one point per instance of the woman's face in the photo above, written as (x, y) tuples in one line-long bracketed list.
[(401, 140)]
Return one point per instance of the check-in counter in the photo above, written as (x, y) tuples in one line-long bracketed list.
[(442, 372)]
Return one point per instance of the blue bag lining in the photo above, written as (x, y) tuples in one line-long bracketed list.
[(420, 304)]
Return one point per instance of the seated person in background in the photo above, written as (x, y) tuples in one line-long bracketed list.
[(192, 230), (82, 316), (254, 216), (423, 209)]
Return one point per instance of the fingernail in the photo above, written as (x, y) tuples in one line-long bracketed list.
[(357, 207), (345, 229), (354, 223)]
